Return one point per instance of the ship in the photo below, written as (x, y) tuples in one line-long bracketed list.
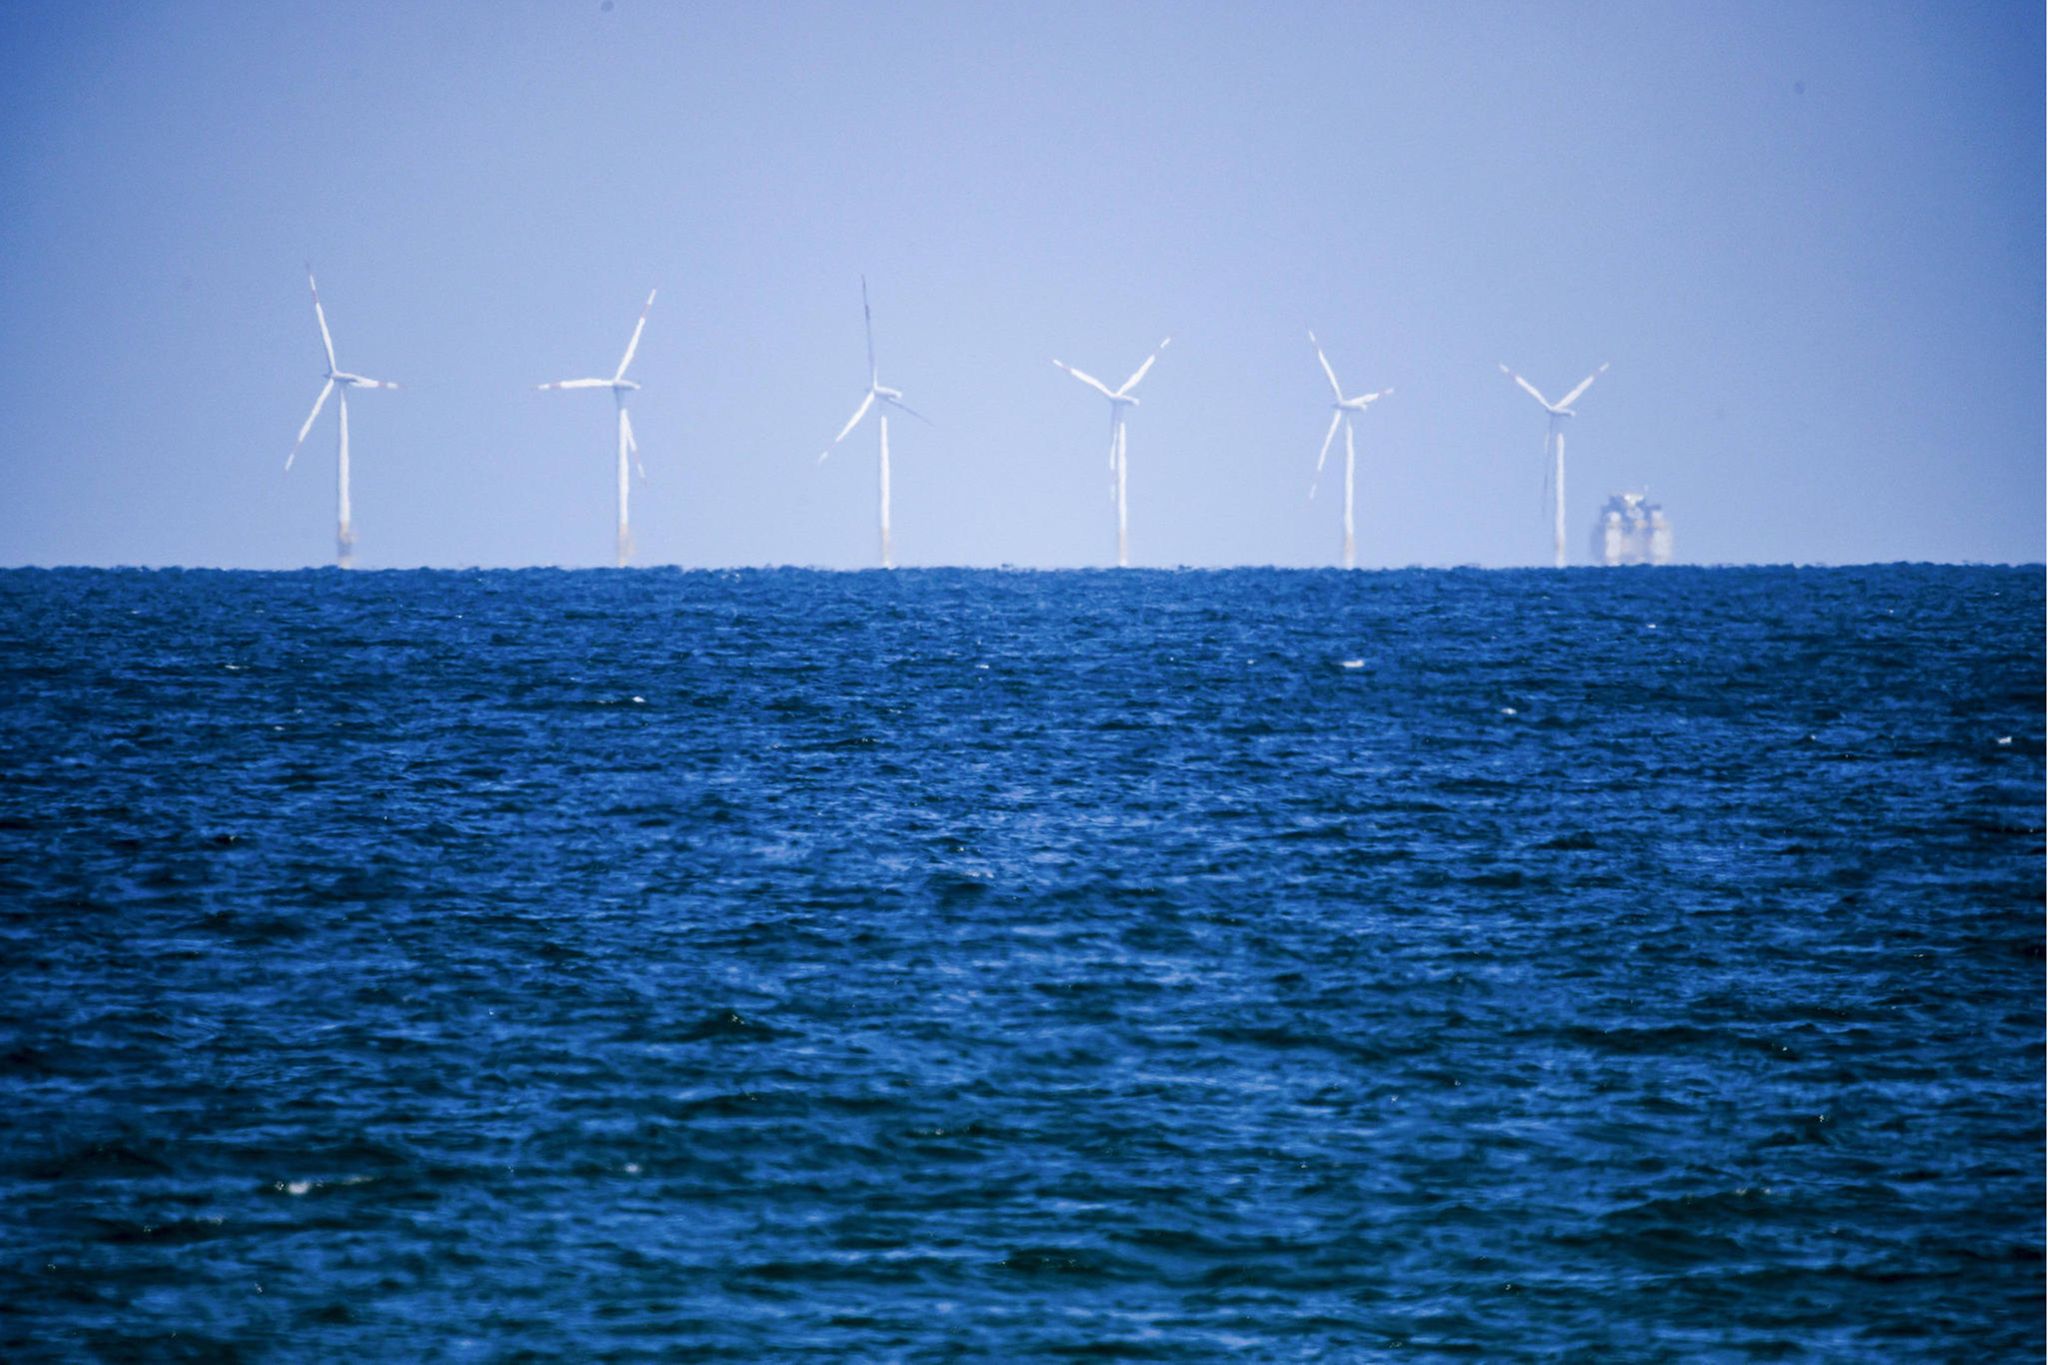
[(1631, 530)]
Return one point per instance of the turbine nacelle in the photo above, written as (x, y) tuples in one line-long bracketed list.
[(1343, 404)]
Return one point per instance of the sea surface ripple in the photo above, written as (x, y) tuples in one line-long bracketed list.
[(1633, 965)]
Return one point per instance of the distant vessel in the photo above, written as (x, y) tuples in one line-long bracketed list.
[(1632, 530)]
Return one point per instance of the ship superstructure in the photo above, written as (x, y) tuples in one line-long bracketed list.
[(1631, 530)]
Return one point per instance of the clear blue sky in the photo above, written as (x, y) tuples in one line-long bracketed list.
[(1809, 237)]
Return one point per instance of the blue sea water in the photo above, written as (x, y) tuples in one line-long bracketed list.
[(1635, 965)]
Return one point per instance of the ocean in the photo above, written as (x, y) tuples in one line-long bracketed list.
[(975, 965)]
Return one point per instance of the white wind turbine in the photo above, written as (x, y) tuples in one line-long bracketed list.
[(891, 398), (1120, 403), (1554, 437), (620, 386), (1347, 409), (344, 532)]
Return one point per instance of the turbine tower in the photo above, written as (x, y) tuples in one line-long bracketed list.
[(337, 378), (1347, 409), (891, 398), (1554, 437), (1120, 403), (620, 387)]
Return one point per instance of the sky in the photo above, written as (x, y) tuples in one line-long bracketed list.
[(1808, 238)]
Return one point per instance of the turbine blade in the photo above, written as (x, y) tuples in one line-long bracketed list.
[(906, 409), (1584, 384), (1090, 380), (1328, 436), (1527, 387), (867, 318), (1332, 374), (311, 417), (1116, 441), (634, 344), (1371, 398), (851, 423), (1132, 382), (321, 313), (365, 382), (632, 446), (576, 384)]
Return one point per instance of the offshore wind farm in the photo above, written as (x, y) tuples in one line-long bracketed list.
[(1741, 390), (1122, 400), (1130, 896)]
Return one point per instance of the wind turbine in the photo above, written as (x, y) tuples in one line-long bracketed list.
[(620, 386), (891, 398), (344, 532), (1120, 402), (1558, 411), (1347, 409)]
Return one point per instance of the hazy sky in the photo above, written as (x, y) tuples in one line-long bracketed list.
[(1809, 237)]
